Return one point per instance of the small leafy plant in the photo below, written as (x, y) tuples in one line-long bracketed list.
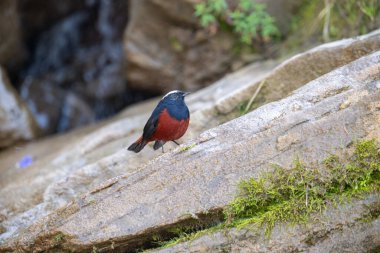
[(249, 20), (58, 237)]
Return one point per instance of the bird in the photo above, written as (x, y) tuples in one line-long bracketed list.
[(168, 122)]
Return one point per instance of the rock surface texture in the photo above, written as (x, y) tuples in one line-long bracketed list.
[(220, 101), (336, 230), (16, 122), (76, 209)]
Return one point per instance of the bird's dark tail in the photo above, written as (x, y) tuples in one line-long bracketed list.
[(138, 145)]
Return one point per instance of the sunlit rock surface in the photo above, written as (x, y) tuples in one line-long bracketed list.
[(16, 122), (139, 199)]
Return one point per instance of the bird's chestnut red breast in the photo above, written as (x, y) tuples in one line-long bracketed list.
[(169, 128)]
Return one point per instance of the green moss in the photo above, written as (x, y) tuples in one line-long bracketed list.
[(292, 194), (176, 44), (58, 237), (94, 249), (188, 147), (372, 214), (183, 234)]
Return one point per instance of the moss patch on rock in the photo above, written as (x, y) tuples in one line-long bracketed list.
[(291, 195), (183, 234)]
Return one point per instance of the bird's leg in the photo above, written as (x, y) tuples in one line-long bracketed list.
[(176, 142), (163, 151)]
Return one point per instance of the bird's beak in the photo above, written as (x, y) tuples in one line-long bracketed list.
[(186, 93)]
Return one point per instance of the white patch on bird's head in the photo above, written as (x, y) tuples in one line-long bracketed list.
[(175, 95), (172, 92)]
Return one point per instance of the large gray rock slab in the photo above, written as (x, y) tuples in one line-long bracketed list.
[(66, 166), (16, 122), (126, 211)]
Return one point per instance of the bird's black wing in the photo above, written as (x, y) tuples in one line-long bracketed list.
[(151, 125)]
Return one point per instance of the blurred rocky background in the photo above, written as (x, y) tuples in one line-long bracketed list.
[(66, 59), (78, 61)]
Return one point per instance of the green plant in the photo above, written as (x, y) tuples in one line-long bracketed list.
[(369, 8), (246, 107), (350, 17), (249, 20), (188, 147), (333, 19), (58, 237)]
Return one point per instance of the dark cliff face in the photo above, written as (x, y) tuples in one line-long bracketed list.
[(74, 72)]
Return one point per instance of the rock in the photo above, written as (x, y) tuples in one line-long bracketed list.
[(11, 47), (317, 62), (78, 54), (38, 15), (16, 122), (82, 159), (336, 230), (73, 163), (127, 210), (75, 113), (220, 102), (69, 164), (44, 101), (181, 56)]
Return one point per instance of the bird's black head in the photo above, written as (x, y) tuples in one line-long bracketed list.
[(174, 102), (175, 95)]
